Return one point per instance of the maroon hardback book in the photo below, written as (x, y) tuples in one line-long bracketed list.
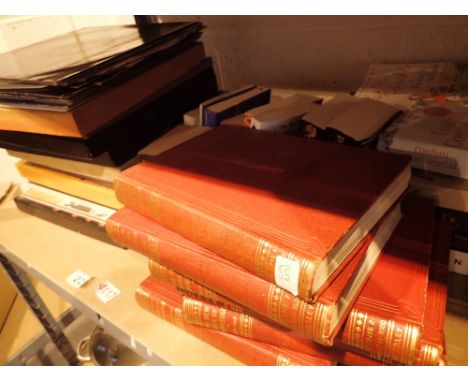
[(388, 318), (165, 301), (432, 341), (286, 209), (415, 338), (431, 347), (318, 321)]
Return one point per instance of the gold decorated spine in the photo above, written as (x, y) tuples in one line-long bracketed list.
[(384, 339)]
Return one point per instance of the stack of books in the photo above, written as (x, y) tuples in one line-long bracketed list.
[(230, 104), (76, 109), (280, 250), (254, 107), (433, 130), (349, 120)]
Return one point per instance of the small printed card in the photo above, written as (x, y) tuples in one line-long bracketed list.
[(106, 291), (458, 262), (287, 274), (78, 278)]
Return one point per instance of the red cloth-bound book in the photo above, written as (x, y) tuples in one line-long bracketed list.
[(207, 308), (318, 321), (286, 209), (165, 301), (431, 349), (199, 312), (397, 305), (211, 310)]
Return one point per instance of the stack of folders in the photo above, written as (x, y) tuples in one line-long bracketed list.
[(76, 109), (284, 251)]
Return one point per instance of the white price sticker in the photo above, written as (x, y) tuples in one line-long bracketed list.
[(458, 262), (106, 291), (78, 278), (287, 274)]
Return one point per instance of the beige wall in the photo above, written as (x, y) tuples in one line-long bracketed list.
[(325, 52)]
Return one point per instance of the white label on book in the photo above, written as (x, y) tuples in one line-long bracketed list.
[(106, 291), (287, 274), (458, 262), (78, 278)]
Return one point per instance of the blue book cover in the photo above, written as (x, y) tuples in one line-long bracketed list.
[(220, 98), (213, 114)]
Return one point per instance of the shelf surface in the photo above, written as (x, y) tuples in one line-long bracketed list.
[(51, 253)]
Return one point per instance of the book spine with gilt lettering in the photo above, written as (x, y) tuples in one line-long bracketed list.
[(166, 302), (400, 328), (209, 315), (431, 349), (188, 287)]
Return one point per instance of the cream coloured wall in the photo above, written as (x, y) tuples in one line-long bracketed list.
[(324, 52)]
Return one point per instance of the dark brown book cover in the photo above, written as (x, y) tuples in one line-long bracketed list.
[(109, 105), (120, 141)]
